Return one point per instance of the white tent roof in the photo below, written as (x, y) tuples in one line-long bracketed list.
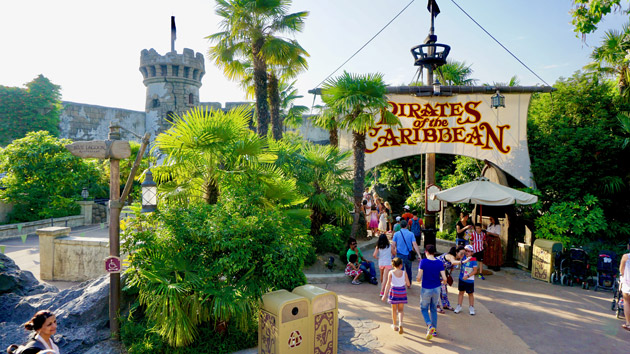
[(482, 191)]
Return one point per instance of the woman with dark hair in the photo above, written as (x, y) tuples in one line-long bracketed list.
[(44, 325), (494, 251)]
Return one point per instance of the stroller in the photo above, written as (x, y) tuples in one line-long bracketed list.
[(617, 302), (577, 268), (560, 266), (606, 271)]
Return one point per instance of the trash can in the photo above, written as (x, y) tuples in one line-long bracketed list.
[(283, 325), (324, 323), (429, 237), (543, 256)]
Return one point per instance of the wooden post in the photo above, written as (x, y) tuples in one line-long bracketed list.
[(114, 234)]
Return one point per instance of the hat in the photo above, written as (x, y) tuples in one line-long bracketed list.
[(468, 248), (398, 218), (406, 207)]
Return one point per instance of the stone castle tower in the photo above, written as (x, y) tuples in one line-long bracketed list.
[(173, 81)]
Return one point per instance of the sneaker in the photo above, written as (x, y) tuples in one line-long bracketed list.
[(481, 277), (395, 328), (374, 281), (356, 282), (435, 334), (458, 309), (400, 329), (471, 310), (381, 294), (430, 332)]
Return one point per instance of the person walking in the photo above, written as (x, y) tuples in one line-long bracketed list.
[(624, 272), (384, 252), (431, 273), (404, 242), (396, 293)]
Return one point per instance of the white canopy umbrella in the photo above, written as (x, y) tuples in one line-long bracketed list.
[(482, 191)]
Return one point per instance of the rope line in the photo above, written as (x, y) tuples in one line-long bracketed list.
[(499, 43)]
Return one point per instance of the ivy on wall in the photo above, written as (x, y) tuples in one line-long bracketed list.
[(34, 108)]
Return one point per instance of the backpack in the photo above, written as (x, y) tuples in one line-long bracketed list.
[(415, 227), (31, 347)]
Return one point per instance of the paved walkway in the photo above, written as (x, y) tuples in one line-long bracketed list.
[(515, 314)]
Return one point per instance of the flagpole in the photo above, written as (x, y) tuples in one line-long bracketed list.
[(173, 33)]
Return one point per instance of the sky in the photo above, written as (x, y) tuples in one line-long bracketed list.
[(92, 49)]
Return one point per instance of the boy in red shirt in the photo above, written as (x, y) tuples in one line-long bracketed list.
[(478, 243)]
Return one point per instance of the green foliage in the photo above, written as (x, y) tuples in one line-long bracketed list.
[(43, 178), (125, 170), (416, 201), (588, 13), (444, 235), (466, 170), (37, 107), (332, 239), (137, 338), (190, 269), (572, 223)]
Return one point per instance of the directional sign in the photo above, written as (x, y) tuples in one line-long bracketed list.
[(113, 264), (99, 149)]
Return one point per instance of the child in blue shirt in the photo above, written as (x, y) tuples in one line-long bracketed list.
[(467, 280)]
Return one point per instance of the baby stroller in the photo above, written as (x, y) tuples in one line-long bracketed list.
[(606, 271), (617, 302), (577, 269), (560, 266)]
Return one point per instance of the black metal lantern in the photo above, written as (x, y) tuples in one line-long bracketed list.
[(149, 193), (436, 87), (498, 100), (84, 193)]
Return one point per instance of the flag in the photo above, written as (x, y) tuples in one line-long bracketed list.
[(24, 238), (2, 249), (174, 30), (82, 234), (102, 225), (433, 8), (19, 227)]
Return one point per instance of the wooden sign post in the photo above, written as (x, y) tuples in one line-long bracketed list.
[(113, 149)]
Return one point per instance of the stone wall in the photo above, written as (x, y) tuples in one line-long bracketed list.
[(80, 121), (25, 228), (99, 214), (79, 258)]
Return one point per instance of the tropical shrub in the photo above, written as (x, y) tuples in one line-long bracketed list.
[(332, 239), (210, 264)]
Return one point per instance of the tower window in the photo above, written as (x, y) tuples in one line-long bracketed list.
[(191, 99), (170, 117), (186, 71), (144, 72), (153, 71), (155, 103), (163, 69), (195, 73), (175, 70)]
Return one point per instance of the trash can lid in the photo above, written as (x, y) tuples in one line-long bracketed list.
[(275, 301)]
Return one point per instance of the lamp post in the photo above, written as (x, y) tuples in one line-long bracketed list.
[(84, 193), (149, 193)]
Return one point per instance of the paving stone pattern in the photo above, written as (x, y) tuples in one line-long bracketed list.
[(355, 336)]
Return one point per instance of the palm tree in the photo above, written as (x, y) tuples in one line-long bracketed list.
[(612, 59), (356, 100), (322, 177), (290, 113), (327, 119), (205, 146), (248, 36), (456, 73)]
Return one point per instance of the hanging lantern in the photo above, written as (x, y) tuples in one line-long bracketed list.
[(149, 193), (436, 87), (498, 100)]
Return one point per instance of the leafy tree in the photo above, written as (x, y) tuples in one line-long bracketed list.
[(588, 13), (356, 100), (249, 38), (575, 144), (327, 119), (290, 113), (37, 107), (43, 178), (207, 147), (611, 58)]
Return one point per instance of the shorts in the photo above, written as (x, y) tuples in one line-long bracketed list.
[(469, 288), (385, 267), (625, 288), (479, 255)]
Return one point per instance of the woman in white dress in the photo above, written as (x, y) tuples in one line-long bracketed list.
[(624, 271)]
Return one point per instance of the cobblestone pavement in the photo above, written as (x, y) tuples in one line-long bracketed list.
[(355, 336)]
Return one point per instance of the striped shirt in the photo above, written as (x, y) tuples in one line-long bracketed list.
[(476, 240)]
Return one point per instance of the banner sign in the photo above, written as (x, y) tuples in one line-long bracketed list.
[(463, 124)]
